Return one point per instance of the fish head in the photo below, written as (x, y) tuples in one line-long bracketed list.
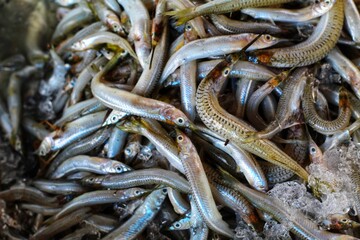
[(185, 146), (131, 150), (116, 167), (181, 224), (77, 46), (323, 6), (136, 192), (45, 146), (267, 40), (132, 125), (174, 116), (315, 152)]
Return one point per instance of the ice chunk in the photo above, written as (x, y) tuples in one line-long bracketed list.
[(244, 232), (274, 230), (295, 195), (332, 179)]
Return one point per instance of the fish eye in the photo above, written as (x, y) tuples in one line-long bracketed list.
[(317, 1), (180, 120), (164, 191), (226, 72), (180, 138), (268, 37), (114, 118), (188, 27), (312, 150), (177, 225), (127, 151), (91, 179), (327, 1), (137, 192), (344, 220), (118, 169), (351, 211)]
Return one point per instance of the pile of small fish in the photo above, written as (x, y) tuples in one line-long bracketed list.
[(175, 119)]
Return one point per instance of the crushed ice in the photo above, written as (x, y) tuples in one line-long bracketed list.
[(337, 195)]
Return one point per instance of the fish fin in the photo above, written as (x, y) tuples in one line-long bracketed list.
[(182, 16)]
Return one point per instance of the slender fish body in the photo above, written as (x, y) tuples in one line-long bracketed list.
[(200, 187), (313, 49), (141, 217)]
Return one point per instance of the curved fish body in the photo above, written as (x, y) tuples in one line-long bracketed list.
[(346, 68), (37, 23), (58, 187), (241, 69), (200, 187), (315, 10), (163, 144), (231, 26), (313, 49), (152, 71), (138, 178), (141, 217), (233, 129), (77, 110), (198, 228), (230, 198), (100, 197), (98, 38), (90, 164), (108, 17), (73, 131), (40, 209), (188, 78), (84, 146), (220, 45), (352, 20), (140, 28), (62, 224), (326, 127), (244, 161), (116, 143), (287, 112), (130, 103), (86, 31), (218, 7), (83, 79), (57, 80), (28, 194), (331, 93), (180, 205), (73, 19), (104, 223), (243, 91), (252, 111)]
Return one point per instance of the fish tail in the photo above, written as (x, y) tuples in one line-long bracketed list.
[(182, 16)]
